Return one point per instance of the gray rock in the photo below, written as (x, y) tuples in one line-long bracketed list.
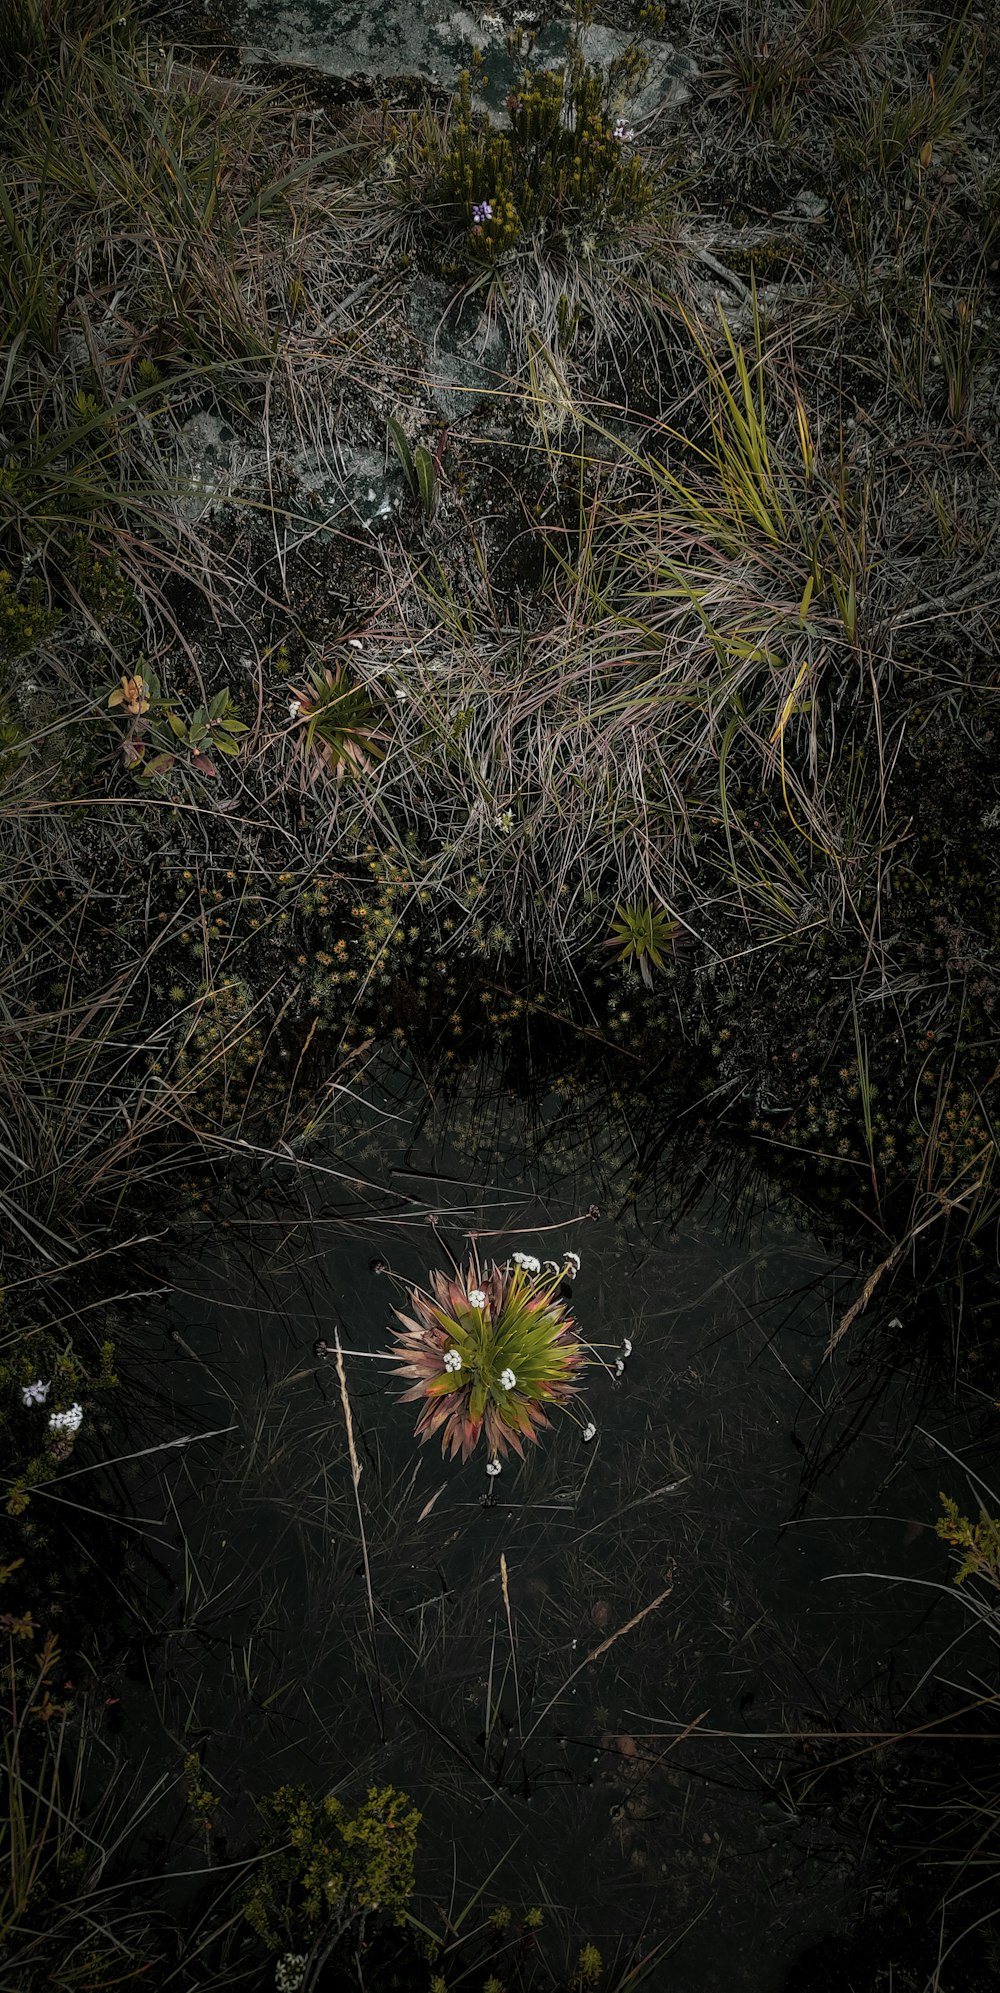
[(465, 357), (343, 488), (434, 42)]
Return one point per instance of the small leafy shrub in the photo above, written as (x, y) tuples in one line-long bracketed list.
[(979, 1542), (46, 1395), (489, 1350), (24, 618), (589, 1967), (565, 162), (100, 583), (326, 1867), (202, 1801), (186, 741)]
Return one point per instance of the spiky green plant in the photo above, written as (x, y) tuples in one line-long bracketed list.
[(488, 1349), (640, 935), (340, 721)]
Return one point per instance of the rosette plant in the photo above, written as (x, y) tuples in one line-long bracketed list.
[(341, 722), (487, 1350)]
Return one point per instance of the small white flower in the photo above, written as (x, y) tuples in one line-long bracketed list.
[(626, 1348), (36, 1393), (619, 1366), (507, 1380), (505, 820), (452, 1360), (477, 1298), (589, 1433), (572, 1262), (294, 708), (401, 692), (355, 643), (290, 1971), (68, 1421), (527, 1262), (492, 1468)]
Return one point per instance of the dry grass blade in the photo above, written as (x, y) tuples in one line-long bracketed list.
[(356, 1471)]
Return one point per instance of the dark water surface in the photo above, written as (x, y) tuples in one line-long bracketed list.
[(732, 1471)]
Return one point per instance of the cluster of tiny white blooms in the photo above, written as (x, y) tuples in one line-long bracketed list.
[(492, 1468), (36, 1393), (527, 1262), (290, 1971), (507, 1380), (355, 643), (572, 1261), (505, 820), (67, 1421), (619, 1366), (626, 1347), (589, 1433), (476, 1297), (294, 708), (452, 1360)]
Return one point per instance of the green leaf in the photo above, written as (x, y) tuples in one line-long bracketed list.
[(400, 444), (427, 479)]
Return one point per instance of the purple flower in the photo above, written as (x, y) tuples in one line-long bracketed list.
[(482, 211)]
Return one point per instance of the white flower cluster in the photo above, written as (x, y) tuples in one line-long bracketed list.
[(69, 1421), (589, 1433), (452, 1360), (290, 1971), (36, 1393), (507, 1380), (505, 820), (477, 1298), (492, 1468), (572, 1263), (527, 1262)]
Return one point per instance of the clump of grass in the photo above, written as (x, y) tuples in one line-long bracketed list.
[(771, 68), (886, 129), (62, 1907), (192, 194)]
